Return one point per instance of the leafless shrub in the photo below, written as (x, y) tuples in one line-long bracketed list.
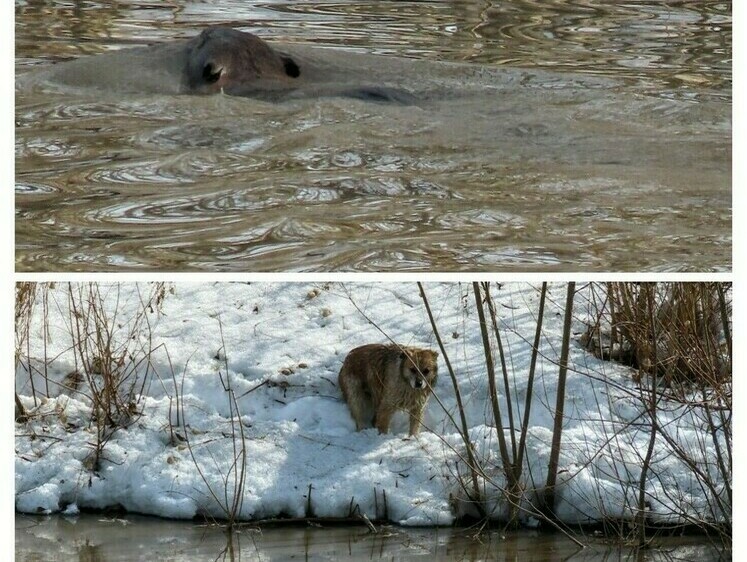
[(472, 492), (112, 353), (678, 337), (668, 347), (548, 501), (685, 339), (229, 498), (25, 298), (111, 344), (28, 295)]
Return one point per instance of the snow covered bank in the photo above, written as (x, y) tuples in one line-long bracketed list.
[(284, 345)]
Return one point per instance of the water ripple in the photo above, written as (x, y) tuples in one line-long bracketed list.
[(597, 137)]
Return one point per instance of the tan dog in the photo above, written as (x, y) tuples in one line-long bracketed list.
[(376, 380)]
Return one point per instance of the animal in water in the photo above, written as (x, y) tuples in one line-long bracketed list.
[(384, 378), (223, 60)]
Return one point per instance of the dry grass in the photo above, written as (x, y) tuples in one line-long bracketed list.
[(678, 331), (112, 347)]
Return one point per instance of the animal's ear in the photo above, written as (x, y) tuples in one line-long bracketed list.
[(434, 354), (290, 66)]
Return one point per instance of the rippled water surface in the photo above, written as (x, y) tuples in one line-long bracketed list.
[(108, 539), (583, 135)]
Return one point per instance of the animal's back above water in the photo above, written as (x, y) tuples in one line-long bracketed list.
[(224, 60)]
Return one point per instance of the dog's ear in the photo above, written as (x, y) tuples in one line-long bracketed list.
[(434, 354)]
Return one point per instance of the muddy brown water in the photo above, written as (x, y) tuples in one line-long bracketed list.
[(586, 135), (94, 538)]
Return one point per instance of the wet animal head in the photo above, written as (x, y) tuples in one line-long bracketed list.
[(420, 368), (224, 59)]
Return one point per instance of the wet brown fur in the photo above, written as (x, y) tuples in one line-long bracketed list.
[(386, 378), (223, 58)]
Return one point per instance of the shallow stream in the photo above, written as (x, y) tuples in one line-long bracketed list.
[(94, 538)]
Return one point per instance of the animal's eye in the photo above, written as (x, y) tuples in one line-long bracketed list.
[(426, 371), (291, 68), (210, 73), (413, 370)]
